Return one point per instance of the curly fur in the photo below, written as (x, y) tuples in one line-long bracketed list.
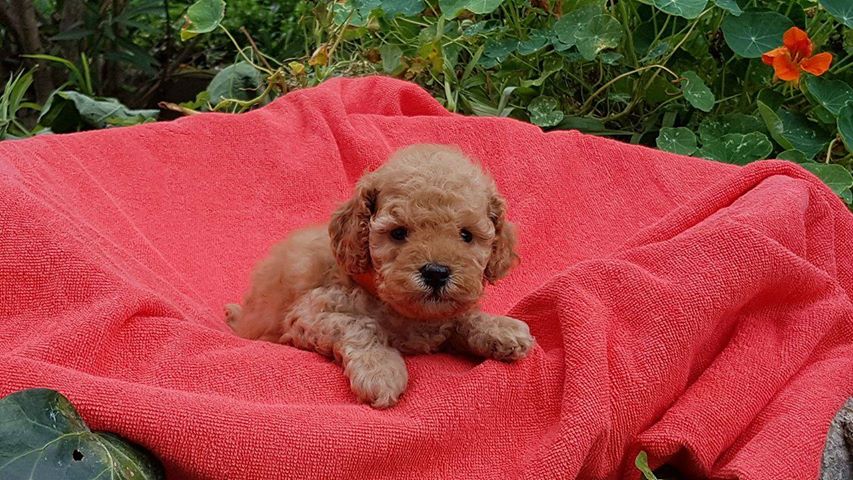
[(310, 291)]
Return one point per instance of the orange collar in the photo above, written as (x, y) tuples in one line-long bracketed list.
[(367, 281)]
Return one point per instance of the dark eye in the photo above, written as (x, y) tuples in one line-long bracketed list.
[(399, 233), (466, 235)]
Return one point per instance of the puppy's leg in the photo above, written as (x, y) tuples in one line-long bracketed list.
[(501, 338), (376, 371)]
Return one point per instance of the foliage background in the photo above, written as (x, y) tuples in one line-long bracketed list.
[(682, 75)]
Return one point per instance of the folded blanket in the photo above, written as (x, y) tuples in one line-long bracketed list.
[(694, 310)]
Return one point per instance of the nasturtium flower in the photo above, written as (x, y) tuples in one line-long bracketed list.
[(795, 56)]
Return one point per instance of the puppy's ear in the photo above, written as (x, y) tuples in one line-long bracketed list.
[(503, 248), (349, 229)]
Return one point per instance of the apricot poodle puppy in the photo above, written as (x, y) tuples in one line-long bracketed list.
[(400, 269)]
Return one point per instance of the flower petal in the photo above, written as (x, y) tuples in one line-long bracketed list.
[(786, 69), (776, 52), (818, 64), (798, 43)]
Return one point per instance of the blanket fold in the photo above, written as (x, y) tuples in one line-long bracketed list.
[(697, 311)]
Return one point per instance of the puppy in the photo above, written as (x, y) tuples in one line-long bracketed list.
[(399, 270)]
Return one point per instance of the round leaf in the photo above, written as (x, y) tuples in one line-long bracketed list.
[(845, 126), (536, 40), (730, 6), (679, 140), (805, 135), (602, 32), (832, 94), (42, 436), (738, 148), (239, 81), (840, 9), (566, 27), (755, 32), (683, 8), (834, 176), (407, 8), (795, 156), (390, 55), (696, 92), (452, 8), (500, 49), (717, 126), (544, 111), (202, 17)]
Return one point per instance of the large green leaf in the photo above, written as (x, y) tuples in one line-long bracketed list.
[(730, 6), (391, 55), (544, 111), (696, 92), (832, 94), (407, 8), (683, 8), (679, 140), (840, 9), (202, 17), (835, 176), (569, 24), (774, 125), (737, 148), (43, 437), (805, 135), (239, 81), (717, 126), (845, 126), (536, 40), (755, 32), (602, 32), (452, 8), (68, 111)]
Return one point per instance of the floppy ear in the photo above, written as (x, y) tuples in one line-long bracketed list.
[(349, 230), (503, 248)]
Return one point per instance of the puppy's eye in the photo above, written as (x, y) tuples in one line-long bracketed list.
[(466, 235), (399, 234)]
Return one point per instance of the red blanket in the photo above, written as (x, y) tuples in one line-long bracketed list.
[(698, 311)]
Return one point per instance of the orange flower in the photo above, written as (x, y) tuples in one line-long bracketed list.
[(795, 56)]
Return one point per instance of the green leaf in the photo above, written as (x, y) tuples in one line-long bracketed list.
[(688, 9), (755, 32), (737, 148), (391, 55), (845, 126), (795, 156), (805, 135), (847, 196), (407, 8), (500, 49), (68, 111), (679, 140), (832, 94), (840, 9), (696, 92), (536, 40), (730, 6), (42, 436), (569, 24), (602, 32), (774, 125), (239, 81), (202, 17), (544, 111), (834, 176), (717, 126), (452, 8), (642, 464)]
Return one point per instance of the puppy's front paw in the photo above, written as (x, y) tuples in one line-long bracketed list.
[(377, 376), (501, 338)]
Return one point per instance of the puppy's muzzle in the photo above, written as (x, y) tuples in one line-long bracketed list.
[(435, 275)]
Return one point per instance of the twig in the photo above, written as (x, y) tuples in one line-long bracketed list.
[(177, 108), (255, 47)]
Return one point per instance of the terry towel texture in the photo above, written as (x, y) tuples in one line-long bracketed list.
[(695, 310)]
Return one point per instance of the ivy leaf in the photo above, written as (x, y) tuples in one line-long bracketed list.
[(602, 32), (202, 17), (840, 9), (688, 9), (845, 126), (42, 436), (834, 176), (738, 148), (696, 92), (755, 32), (679, 140), (730, 6), (544, 111), (566, 27), (832, 94), (239, 81)]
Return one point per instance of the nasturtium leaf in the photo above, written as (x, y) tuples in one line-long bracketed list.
[(544, 111), (407, 8), (847, 196), (42, 436), (500, 49), (452, 8), (840, 9), (203, 16), (239, 81), (774, 125), (677, 140), (833, 175), (536, 40), (717, 126), (602, 32), (805, 135), (845, 126), (755, 32), (568, 25), (688, 9), (610, 58), (730, 6), (795, 156), (832, 94), (656, 51), (696, 92), (737, 148), (390, 55)]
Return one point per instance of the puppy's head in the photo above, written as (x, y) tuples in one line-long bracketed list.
[(432, 227)]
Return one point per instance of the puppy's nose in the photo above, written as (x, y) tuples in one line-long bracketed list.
[(435, 275)]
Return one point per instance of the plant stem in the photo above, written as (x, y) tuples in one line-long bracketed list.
[(586, 106)]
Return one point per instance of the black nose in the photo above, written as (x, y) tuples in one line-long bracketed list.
[(435, 275)]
